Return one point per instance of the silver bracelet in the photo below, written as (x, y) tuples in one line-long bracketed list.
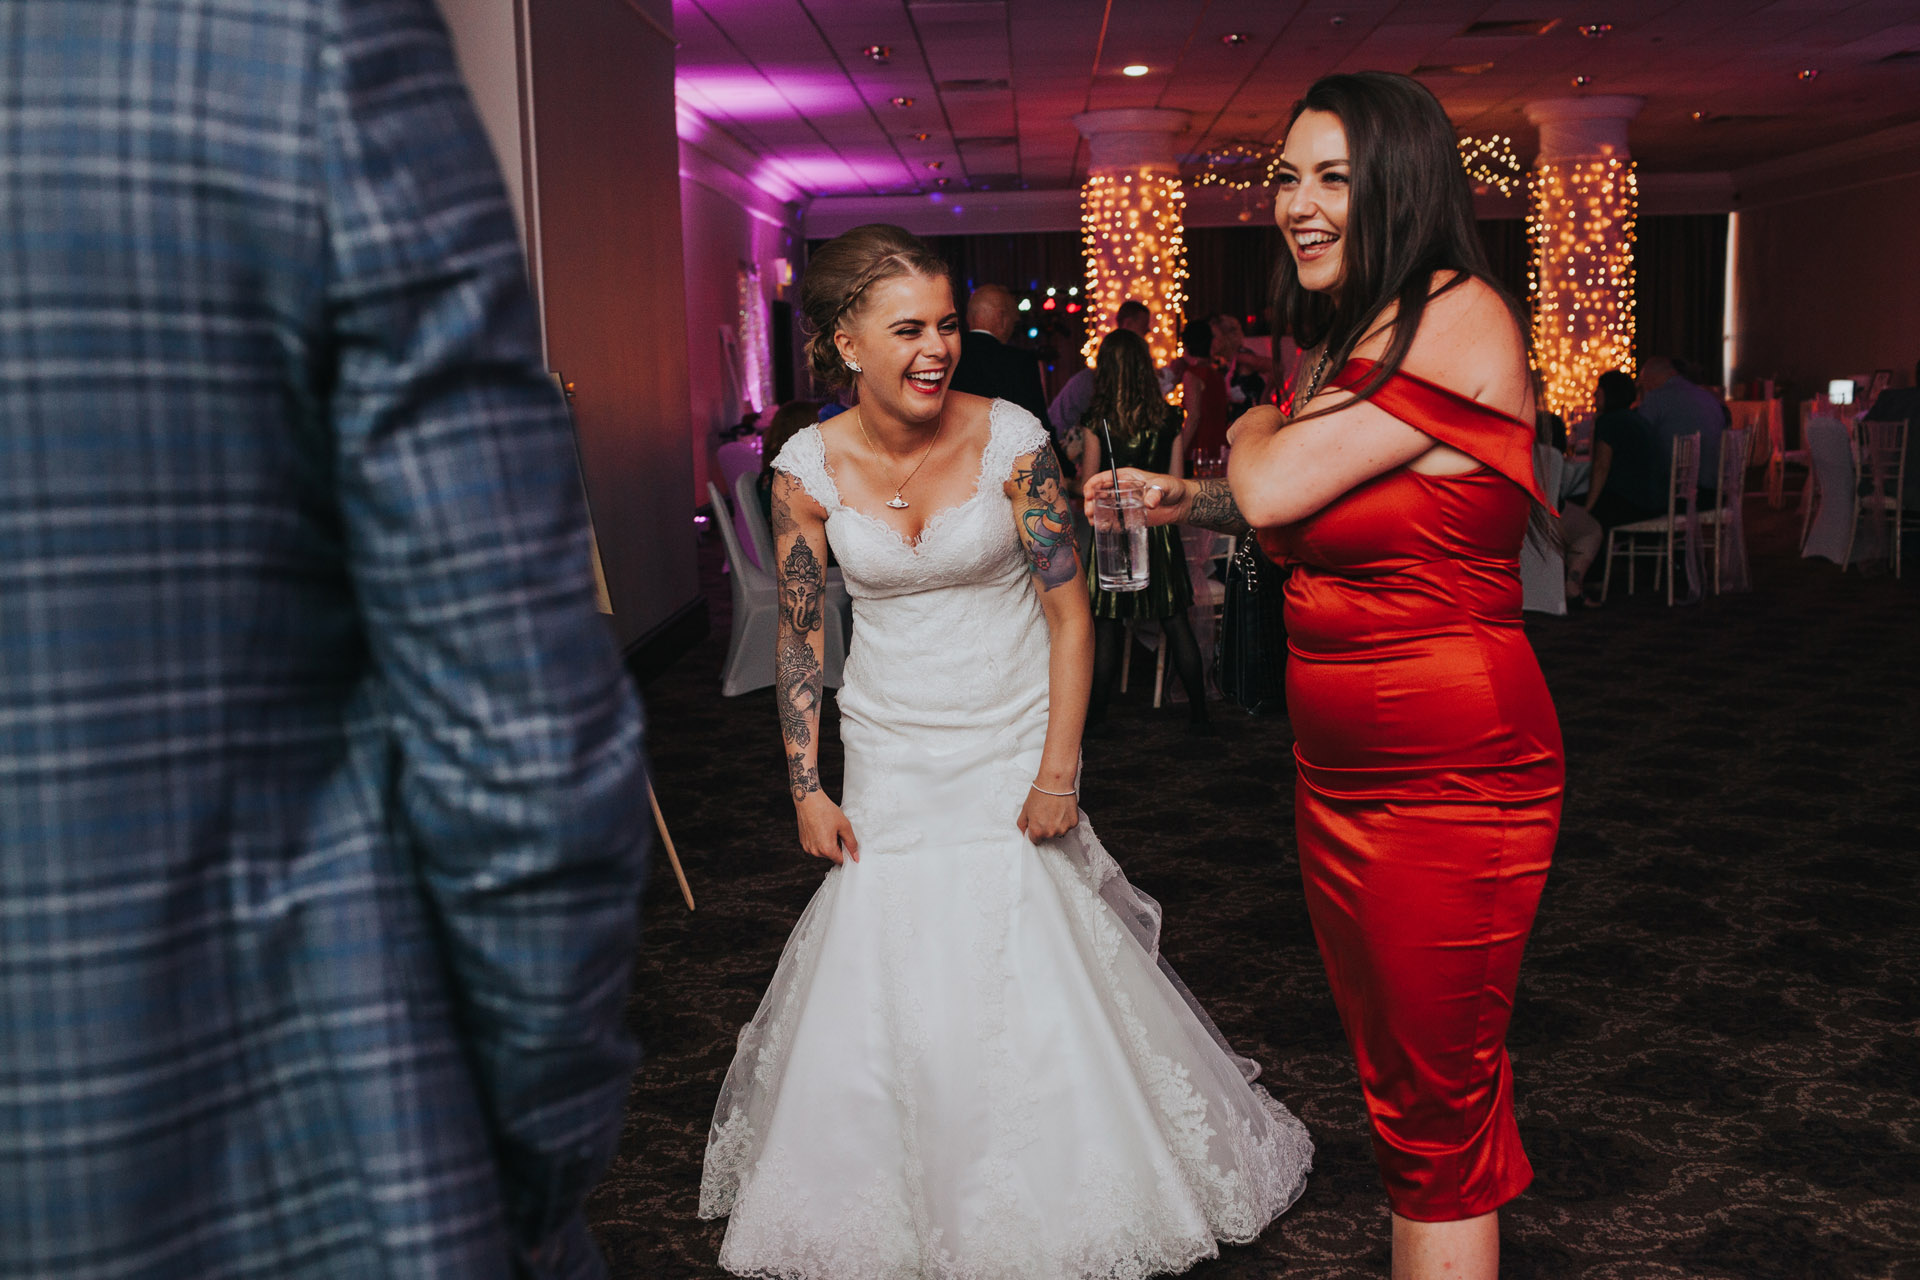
[(1043, 791)]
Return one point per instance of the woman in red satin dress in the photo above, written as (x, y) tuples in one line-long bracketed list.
[(1399, 486)]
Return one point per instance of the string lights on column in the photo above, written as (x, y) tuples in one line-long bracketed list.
[(1134, 234), (1492, 162), (1581, 227)]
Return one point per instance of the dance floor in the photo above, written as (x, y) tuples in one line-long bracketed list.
[(1717, 1036)]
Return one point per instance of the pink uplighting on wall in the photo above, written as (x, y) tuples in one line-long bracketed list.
[(825, 171), (734, 95)]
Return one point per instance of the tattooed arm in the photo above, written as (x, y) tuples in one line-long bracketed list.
[(1046, 522), (1204, 504), (799, 546), (1053, 556), (1210, 505)]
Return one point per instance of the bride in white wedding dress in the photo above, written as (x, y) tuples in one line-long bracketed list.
[(971, 1064)]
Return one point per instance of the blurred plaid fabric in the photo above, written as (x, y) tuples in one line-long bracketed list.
[(322, 816)]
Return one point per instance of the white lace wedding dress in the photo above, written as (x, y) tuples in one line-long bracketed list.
[(970, 1064)]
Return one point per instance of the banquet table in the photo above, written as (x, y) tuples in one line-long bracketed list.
[(1767, 416)]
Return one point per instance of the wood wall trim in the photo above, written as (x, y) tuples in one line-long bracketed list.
[(665, 32)]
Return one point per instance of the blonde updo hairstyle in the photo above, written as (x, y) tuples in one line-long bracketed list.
[(838, 278)]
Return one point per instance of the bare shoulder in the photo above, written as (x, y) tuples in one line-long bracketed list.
[(1470, 341), (967, 412)]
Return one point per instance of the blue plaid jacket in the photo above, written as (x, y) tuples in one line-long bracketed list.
[(321, 808)]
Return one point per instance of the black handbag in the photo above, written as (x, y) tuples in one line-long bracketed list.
[(1250, 649)]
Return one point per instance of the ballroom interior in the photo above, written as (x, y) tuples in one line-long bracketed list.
[(1717, 1034)]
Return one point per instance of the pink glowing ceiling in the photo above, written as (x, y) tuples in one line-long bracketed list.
[(994, 84)]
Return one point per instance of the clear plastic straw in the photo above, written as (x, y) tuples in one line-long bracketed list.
[(1113, 465)]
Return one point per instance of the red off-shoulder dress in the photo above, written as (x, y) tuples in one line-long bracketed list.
[(1428, 800)]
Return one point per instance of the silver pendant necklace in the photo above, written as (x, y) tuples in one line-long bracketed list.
[(897, 502)]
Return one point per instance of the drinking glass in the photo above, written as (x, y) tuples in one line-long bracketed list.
[(1120, 538)]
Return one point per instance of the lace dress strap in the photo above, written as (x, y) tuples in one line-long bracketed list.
[(1011, 432), (804, 457)]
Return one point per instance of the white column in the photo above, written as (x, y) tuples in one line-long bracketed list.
[(1584, 202), (1132, 213)]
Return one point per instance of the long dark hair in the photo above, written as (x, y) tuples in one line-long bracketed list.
[(1126, 391), (1409, 216)]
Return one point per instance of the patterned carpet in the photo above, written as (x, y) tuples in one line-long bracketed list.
[(1717, 1038)]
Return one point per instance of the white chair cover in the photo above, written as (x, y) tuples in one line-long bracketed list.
[(749, 521), (1543, 568), (1836, 481), (758, 539), (756, 616)]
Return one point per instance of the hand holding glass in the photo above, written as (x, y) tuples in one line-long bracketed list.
[(1118, 517)]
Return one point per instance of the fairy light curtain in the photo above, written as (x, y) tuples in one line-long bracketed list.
[(752, 322), (1581, 222), (1582, 217), (1134, 238)]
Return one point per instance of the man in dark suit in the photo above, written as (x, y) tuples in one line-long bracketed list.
[(322, 814), (1902, 404), (988, 366), (1897, 404)]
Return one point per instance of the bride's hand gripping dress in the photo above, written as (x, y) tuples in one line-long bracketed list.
[(971, 1062)]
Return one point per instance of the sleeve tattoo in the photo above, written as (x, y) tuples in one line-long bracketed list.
[(1213, 508), (1052, 551), (797, 675)]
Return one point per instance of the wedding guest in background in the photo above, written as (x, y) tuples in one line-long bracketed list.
[(1674, 405), (322, 808), (1580, 532), (1245, 369), (1899, 404), (1902, 404), (1070, 406), (1127, 408), (1630, 476), (988, 365), (1203, 388), (1430, 765)]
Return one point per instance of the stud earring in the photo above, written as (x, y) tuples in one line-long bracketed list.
[(852, 366)]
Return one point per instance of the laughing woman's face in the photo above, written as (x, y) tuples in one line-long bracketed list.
[(1310, 199), (906, 340)]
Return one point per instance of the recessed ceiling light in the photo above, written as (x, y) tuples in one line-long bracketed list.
[(1337, 20), (936, 164), (941, 182), (921, 137), (1136, 69), (903, 101), (1699, 115), (878, 52), (1235, 37), (1809, 73), (1581, 82), (1594, 30)]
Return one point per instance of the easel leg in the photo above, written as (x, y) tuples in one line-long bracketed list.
[(666, 838)]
